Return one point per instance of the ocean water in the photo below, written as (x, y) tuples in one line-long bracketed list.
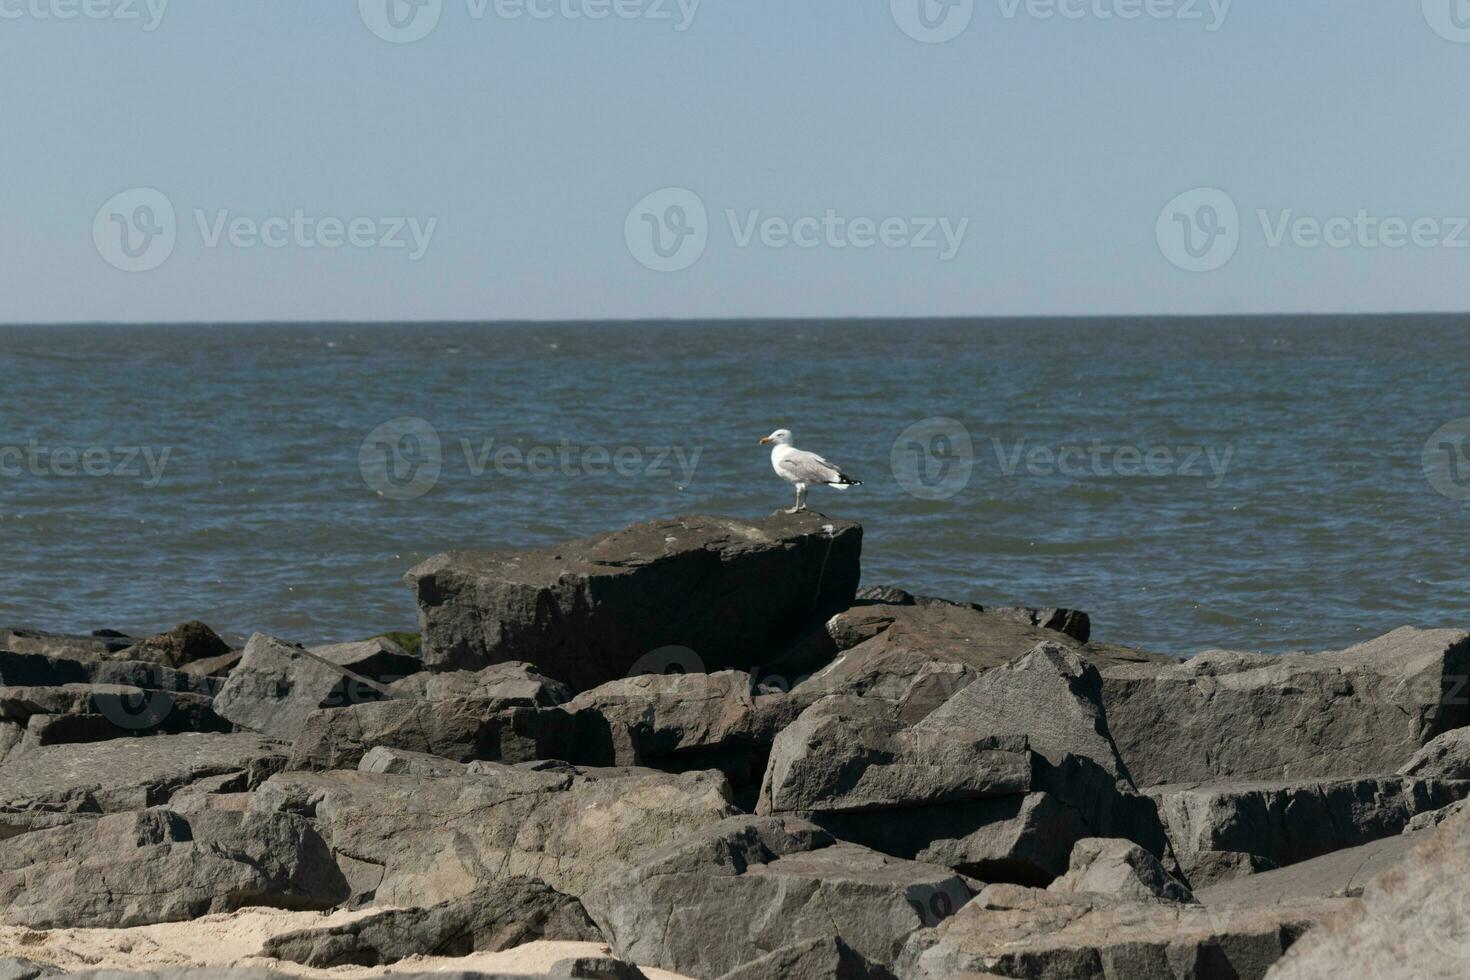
[(1259, 483)]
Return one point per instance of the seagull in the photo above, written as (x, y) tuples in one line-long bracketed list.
[(803, 468)]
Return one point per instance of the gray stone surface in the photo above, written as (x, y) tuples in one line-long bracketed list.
[(155, 865), (596, 968), (511, 682), (63, 645), (461, 729), (378, 659), (852, 755), (1031, 934), (1341, 874), (1364, 710), (586, 612), (1445, 757), (791, 885), (422, 840), (57, 784), (276, 687), (1052, 696), (1118, 867), (1286, 822), (185, 644), (500, 915), (1412, 922)]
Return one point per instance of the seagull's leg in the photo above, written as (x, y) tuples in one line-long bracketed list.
[(801, 496)]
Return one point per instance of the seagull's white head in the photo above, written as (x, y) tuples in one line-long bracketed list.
[(781, 437)]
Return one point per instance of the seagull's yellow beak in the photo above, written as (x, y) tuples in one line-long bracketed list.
[(767, 441)]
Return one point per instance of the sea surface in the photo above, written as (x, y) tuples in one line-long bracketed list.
[(1262, 483)]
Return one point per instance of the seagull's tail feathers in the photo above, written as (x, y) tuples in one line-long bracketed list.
[(843, 482)]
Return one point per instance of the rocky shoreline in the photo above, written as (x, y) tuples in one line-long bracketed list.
[(696, 748)]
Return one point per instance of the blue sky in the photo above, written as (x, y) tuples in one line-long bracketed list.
[(1048, 144)]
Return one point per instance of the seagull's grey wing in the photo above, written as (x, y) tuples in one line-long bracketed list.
[(800, 466)]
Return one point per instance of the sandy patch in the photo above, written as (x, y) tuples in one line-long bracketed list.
[(236, 940)]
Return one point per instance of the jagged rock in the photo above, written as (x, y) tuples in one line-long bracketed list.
[(218, 667), (586, 612), (851, 755), (422, 840), (184, 644), (95, 646), (97, 712), (925, 654), (1051, 695), (1412, 922), (1298, 716), (378, 659), (35, 670), (56, 784), (1432, 819), (1027, 933), (276, 687), (156, 865), (1341, 874), (596, 968), (982, 804), (673, 909), (827, 958), (497, 916), (1072, 622), (1289, 822), (1121, 868), (680, 722), (461, 730), (510, 682), (1445, 757)]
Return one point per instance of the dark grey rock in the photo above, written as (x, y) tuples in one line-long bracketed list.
[(674, 909), (1433, 818), (152, 866), (16, 968), (1285, 823), (827, 958), (1364, 710), (184, 644), (276, 687), (497, 916), (596, 968), (587, 612), (57, 784), (97, 712), (378, 659), (461, 730)]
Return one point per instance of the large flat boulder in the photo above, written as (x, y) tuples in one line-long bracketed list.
[(500, 915), (1016, 932), (509, 681), (419, 840), (586, 612), (276, 687), (1364, 710), (98, 712), (65, 646), (1341, 874), (156, 865), (796, 891), (58, 784), (1284, 822), (1411, 923)]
